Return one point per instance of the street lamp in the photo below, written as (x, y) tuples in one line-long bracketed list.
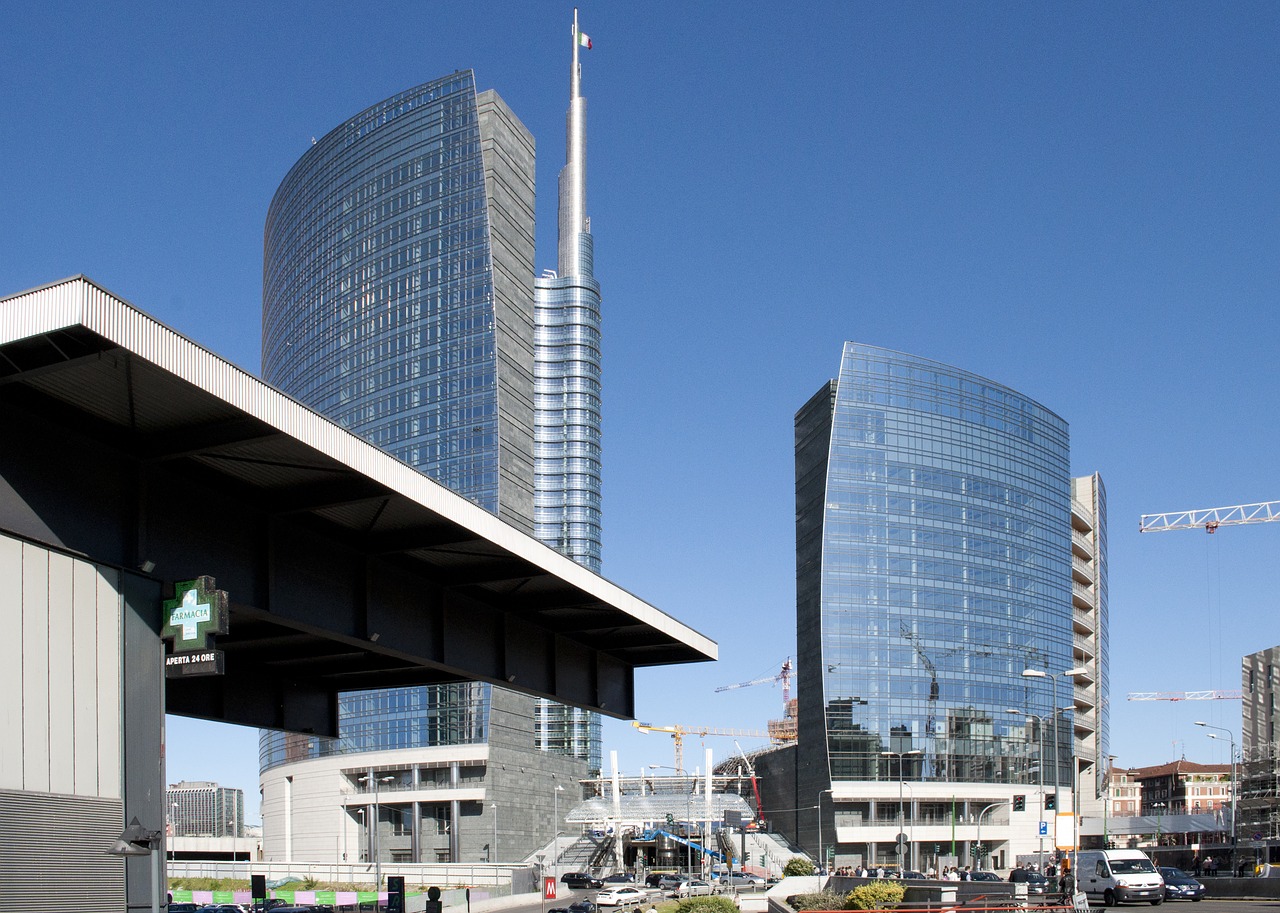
[(821, 858), (1159, 807), (979, 840), (555, 839), (173, 827), (1234, 797), (688, 844), (902, 821), (1057, 774), (375, 837), (493, 855), (1040, 767)]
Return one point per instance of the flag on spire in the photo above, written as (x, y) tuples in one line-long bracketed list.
[(585, 40)]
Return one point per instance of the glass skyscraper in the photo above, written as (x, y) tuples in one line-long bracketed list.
[(567, 453), (398, 299), (933, 550)]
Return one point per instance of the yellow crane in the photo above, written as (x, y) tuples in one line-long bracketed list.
[(678, 733)]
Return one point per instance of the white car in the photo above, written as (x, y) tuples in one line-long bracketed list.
[(621, 896), (741, 880), (691, 888)]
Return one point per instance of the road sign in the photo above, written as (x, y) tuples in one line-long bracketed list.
[(548, 889), (1044, 828), (903, 843)]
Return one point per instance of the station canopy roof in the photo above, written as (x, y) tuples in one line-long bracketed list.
[(347, 569)]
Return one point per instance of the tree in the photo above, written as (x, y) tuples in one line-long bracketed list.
[(798, 865)]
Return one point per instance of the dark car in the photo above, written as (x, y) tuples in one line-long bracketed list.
[(913, 874), (582, 906), (619, 878), (1178, 885), (581, 880), (984, 876), (183, 906), (1038, 884), (653, 879)]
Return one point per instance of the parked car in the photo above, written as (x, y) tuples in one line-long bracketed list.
[(580, 880), (183, 906), (621, 895), (653, 879), (984, 876), (1178, 885), (693, 887), (619, 878), (670, 881), (741, 879), (913, 874)]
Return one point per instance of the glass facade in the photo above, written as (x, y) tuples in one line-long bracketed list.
[(933, 550)]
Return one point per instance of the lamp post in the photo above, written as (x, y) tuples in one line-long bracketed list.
[(1040, 724), (1234, 798), (822, 860), (173, 827), (375, 837), (979, 840), (1159, 807), (688, 844), (555, 838), (1106, 799), (493, 855), (902, 821), (1057, 773)]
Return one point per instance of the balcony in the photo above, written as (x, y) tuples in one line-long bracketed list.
[(1081, 545), (1083, 621), (1081, 517), (1081, 570), (1081, 595)]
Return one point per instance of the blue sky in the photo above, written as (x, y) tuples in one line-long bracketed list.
[(1078, 200)]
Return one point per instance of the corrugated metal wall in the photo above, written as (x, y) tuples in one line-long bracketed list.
[(60, 726), (55, 855)]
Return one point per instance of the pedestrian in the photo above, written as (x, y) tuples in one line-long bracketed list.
[(1195, 866), (1210, 866), (1018, 875)]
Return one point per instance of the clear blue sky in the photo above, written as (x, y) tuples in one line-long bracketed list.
[(1079, 200)]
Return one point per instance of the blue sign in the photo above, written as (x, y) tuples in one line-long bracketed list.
[(1044, 828)]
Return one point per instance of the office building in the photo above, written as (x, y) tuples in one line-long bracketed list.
[(198, 809), (934, 616), (399, 300)]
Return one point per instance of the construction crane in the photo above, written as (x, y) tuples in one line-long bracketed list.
[(783, 675), (1185, 695), (678, 733), (930, 768), (1212, 518)]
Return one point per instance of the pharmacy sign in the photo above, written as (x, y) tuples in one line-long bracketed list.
[(197, 612)]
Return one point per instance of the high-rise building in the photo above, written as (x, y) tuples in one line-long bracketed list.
[(567, 454), (199, 809), (1259, 772), (934, 615), (1089, 641), (398, 299)]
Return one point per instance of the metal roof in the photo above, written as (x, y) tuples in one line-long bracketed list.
[(81, 370)]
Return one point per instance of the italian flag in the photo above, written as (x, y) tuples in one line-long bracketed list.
[(585, 40)]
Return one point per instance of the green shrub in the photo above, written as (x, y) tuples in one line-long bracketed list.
[(874, 895), (822, 900), (707, 905), (798, 865)]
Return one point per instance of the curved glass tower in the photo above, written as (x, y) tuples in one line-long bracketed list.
[(933, 568)]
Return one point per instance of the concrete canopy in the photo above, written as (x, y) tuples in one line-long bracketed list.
[(347, 569)]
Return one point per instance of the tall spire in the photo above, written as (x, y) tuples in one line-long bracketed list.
[(573, 259)]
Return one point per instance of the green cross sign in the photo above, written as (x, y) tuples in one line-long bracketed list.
[(197, 611)]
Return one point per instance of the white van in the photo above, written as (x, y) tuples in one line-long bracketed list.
[(1118, 876)]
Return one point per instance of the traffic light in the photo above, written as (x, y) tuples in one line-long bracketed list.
[(1050, 803), (1019, 803), (671, 820), (762, 858)]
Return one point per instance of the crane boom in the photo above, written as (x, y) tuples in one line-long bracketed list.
[(1211, 518), (1184, 695), (678, 733)]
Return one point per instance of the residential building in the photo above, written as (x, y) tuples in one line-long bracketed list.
[(1259, 774), (1183, 788), (398, 299), (1089, 647), (1125, 793), (199, 809), (934, 617)]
